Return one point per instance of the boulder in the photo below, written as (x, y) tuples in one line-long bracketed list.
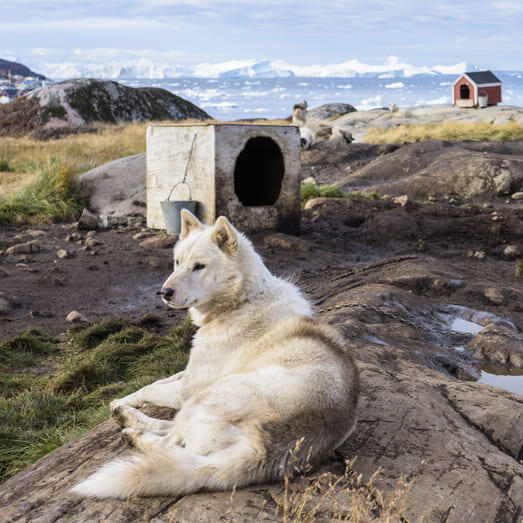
[(73, 104), (499, 344), (329, 111), (117, 189)]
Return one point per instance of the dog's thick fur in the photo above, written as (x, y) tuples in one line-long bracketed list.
[(266, 392)]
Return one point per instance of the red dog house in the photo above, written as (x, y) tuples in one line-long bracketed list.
[(477, 89)]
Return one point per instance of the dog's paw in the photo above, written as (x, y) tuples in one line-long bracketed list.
[(115, 405), (130, 435)]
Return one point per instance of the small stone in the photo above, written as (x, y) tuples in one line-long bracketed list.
[(93, 253), (35, 233), (285, 241), (88, 220), (401, 200), (141, 235), (76, 317), (23, 259), (86, 248), (69, 238), (90, 234), (76, 236), (494, 296), (159, 242), (511, 251), (309, 181), (517, 196), (480, 255), (80, 242), (62, 254), (25, 248), (91, 242)]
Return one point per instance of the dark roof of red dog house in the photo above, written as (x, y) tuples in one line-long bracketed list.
[(483, 77)]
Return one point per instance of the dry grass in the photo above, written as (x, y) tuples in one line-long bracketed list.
[(447, 130)]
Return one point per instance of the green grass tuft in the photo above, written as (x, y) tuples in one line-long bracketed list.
[(309, 191), (74, 381), (51, 196), (364, 195), (519, 268)]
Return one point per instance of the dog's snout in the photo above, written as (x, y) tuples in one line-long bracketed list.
[(167, 292)]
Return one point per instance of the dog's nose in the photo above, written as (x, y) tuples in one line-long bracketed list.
[(167, 292)]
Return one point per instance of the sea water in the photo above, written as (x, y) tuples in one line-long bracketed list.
[(238, 98)]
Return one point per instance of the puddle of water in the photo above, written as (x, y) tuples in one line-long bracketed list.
[(511, 379), (465, 326)]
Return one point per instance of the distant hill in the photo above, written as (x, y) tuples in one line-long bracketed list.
[(18, 69), (70, 105)]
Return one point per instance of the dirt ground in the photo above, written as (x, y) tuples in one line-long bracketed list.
[(120, 277)]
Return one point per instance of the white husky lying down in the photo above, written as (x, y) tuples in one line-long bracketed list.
[(266, 390)]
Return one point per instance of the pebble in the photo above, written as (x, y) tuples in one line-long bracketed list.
[(309, 181), (158, 242), (75, 317), (401, 200), (494, 296), (91, 242), (25, 248), (517, 196), (62, 253), (88, 220), (511, 251)]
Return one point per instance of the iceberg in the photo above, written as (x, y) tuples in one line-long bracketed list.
[(392, 68)]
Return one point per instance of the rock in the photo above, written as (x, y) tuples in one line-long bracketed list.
[(493, 413), (286, 241), (25, 248), (88, 220), (157, 262), (459, 171), (158, 242), (401, 200), (494, 296), (498, 344), (141, 235), (91, 234), (117, 189), (62, 254), (309, 181), (329, 111), (75, 317), (511, 252), (92, 242), (74, 104), (23, 259), (36, 233), (517, 196)]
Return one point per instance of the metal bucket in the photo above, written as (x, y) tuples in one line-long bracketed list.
[(171, 210), (483, 100)]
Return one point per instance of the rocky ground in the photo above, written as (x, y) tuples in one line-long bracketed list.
[(425, 290), (343, 116)]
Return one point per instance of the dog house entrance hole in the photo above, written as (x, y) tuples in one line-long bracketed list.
[(464, 92), (258, 172)]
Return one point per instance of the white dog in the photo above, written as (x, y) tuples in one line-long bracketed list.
[(266, 392)]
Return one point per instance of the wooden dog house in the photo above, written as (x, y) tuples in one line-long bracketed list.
[(249, 173), (480, 88)]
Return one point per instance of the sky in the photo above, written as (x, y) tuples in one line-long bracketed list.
[(188, 32)]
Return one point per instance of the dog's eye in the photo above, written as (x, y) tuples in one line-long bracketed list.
[(198, 267)]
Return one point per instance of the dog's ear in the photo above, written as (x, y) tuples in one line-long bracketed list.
[(189, 223), (225, 236)]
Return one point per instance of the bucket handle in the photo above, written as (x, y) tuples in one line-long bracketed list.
[(183, 182), (185, 173)]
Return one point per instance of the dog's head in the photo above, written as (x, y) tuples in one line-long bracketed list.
[(206, 268)]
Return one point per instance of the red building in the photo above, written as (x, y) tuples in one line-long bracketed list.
[(477, 89)]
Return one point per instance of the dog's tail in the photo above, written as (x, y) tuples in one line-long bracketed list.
[(174, 471)]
